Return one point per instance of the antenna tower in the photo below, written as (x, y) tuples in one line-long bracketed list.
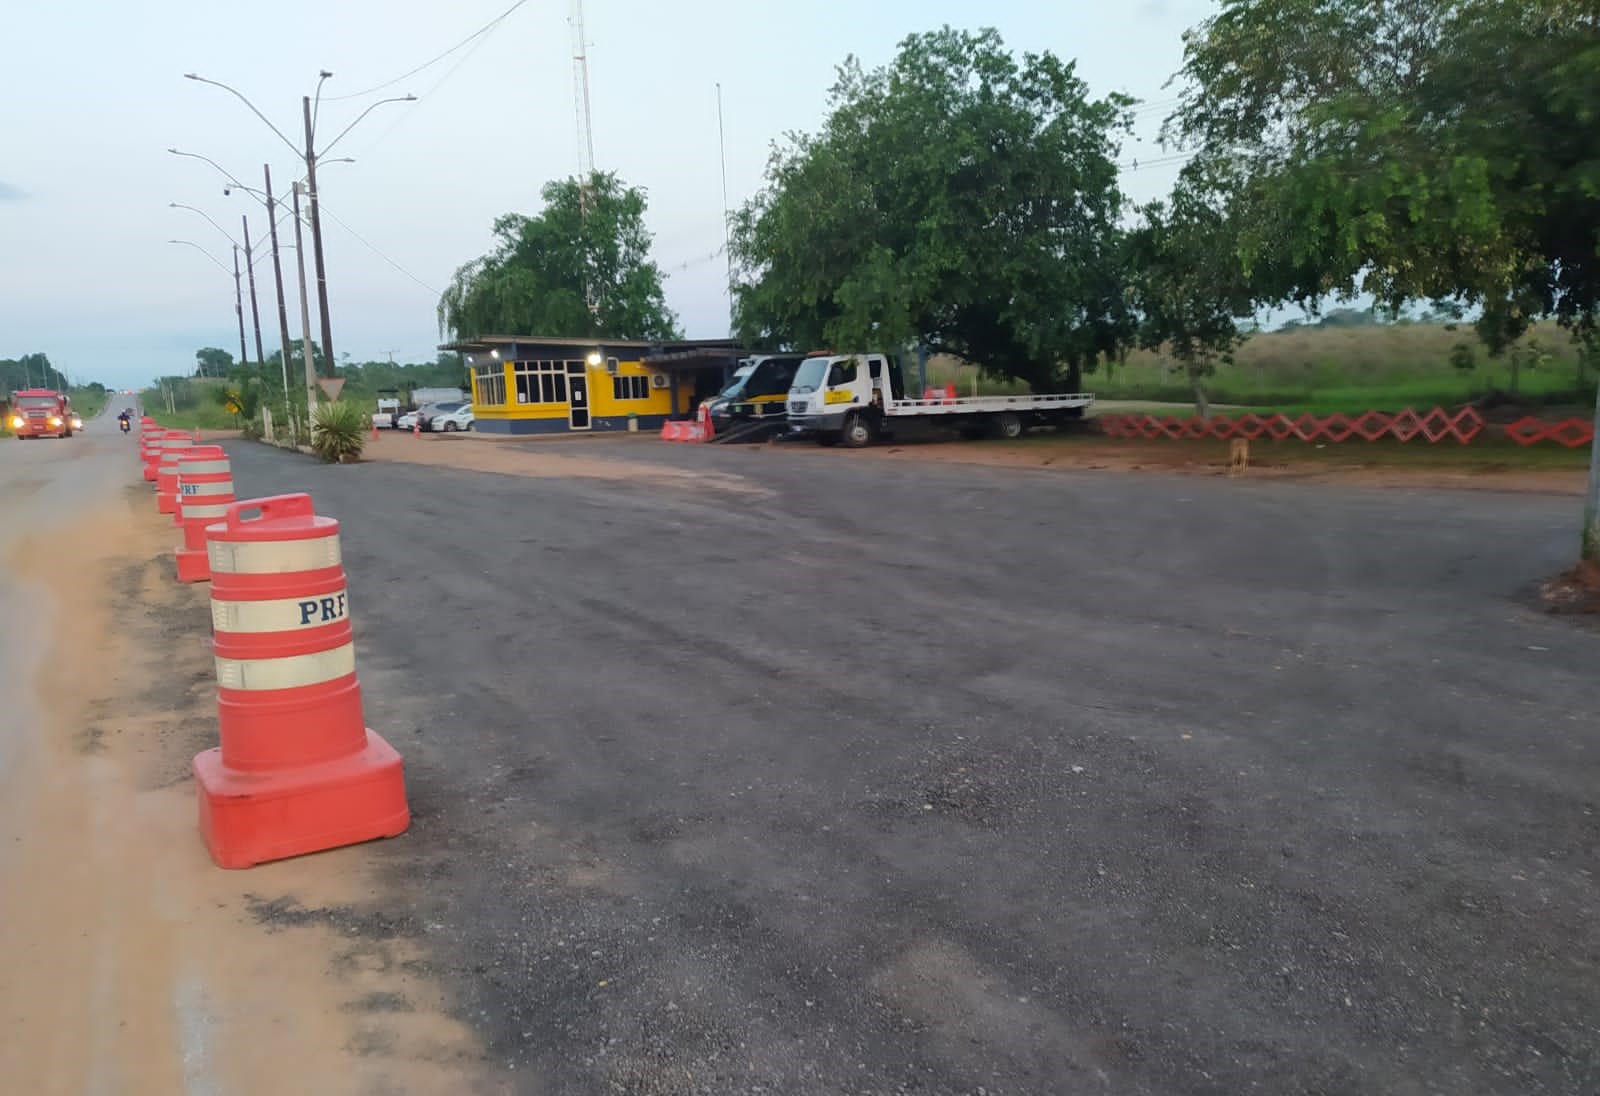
[(580, 88)]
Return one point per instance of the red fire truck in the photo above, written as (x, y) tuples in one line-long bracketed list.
[(40, 413)]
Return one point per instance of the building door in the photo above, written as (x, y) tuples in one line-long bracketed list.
[(577, 397)]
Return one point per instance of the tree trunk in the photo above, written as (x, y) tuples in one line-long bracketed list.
[(1198, 387), (1074, 376), (1516, 371)]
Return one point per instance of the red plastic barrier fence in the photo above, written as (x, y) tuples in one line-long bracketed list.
[(1434, 426), (1571, 433)]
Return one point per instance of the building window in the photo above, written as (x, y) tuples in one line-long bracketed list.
[(541, 382), (490, 380), (630, 388)]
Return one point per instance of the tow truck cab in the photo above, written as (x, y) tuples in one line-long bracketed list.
[(759, 388), (40, 413), (831, 392)]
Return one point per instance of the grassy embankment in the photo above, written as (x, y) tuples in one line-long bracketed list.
[(1347, 369)]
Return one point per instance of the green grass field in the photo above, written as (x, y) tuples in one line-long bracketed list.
[(204, 417), (1348, 369)]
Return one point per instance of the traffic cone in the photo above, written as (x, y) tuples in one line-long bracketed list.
[(197, 435), (374, 431), (416, 428)]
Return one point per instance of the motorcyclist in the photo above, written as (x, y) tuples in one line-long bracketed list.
[(125, 420)]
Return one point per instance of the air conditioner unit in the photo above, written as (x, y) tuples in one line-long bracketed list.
[(660, 380)]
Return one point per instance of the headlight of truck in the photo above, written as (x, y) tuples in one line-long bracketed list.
[(55, 420)]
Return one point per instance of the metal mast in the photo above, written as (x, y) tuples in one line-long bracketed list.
[(580, 80)]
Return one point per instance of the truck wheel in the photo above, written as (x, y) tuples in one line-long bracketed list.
[(1008, 424), (857, 432)]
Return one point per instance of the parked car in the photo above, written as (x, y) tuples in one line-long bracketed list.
[(407, 421), (447, 417)]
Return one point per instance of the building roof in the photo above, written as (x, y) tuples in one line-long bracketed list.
[(662, 353)]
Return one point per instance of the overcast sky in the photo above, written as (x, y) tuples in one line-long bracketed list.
[(92, 95)]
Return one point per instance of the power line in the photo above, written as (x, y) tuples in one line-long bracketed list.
[(483, 30), (374, 249), (424, 97)]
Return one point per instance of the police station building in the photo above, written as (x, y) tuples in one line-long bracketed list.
[(525, 384)]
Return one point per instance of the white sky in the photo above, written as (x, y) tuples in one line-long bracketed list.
[(92, 95)]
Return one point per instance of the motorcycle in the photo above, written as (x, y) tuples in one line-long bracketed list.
[(126, 425)]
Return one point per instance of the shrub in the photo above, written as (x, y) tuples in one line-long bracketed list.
[(338, 432)]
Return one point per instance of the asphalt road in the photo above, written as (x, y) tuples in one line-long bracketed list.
[(43, 485), (864, 777)]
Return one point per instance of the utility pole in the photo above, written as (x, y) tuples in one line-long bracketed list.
[(316, 236), (1591, 501), (727, 222), (238, 307), (255, 310), (305, 314), (277, 277)]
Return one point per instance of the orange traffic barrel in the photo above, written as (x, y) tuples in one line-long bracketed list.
[(296, 770), (205, 490), (173, 445), (150, 436)]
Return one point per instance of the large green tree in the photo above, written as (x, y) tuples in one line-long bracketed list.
[(960, 197), (211, 361), (581, 267), (1411, 149), (1188, 284), (29, 371)]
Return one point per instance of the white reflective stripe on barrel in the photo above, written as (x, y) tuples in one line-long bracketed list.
[(215, 487), (273, 557), (290, 614), (286, 673), (205, 467), (203, 509)]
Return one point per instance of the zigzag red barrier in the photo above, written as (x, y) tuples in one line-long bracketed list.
[(1571, 433), (1433, 426)]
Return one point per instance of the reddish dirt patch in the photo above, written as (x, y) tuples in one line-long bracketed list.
[(1574, 591)]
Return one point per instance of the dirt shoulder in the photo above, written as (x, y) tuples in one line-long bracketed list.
[(134, 965), (1486, 467)]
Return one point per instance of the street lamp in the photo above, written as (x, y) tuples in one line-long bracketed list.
[(310, 154), (277, 267), (238, 302)]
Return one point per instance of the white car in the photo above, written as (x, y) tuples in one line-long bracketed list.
[(448, 417), (408, 421)]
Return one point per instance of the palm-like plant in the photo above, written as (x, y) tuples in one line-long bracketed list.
[(338, 432)]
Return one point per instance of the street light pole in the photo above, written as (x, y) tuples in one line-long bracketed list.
[(316, 236), (238, 306), (255, 310), (277, 277), (305, 313)]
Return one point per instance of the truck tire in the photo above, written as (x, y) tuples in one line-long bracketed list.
[(858, 432), (1008, 424)]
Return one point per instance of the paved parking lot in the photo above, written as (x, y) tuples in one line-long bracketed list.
[(808, 773)]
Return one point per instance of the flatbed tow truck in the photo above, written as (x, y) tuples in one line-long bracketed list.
[(856, 399)]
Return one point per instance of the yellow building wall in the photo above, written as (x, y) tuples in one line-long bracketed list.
[(602, 400)]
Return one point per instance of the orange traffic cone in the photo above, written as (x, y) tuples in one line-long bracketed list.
[(197, 435), (374, 431)]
